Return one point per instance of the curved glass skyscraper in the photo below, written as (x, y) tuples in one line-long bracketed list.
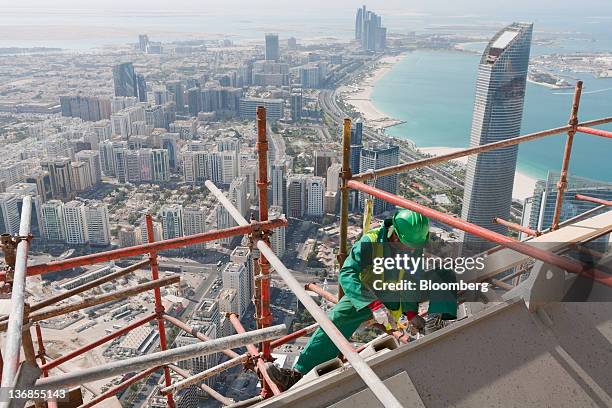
[(498, 111)]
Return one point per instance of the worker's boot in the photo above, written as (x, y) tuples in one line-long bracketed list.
[(433, 323), (284, 378)]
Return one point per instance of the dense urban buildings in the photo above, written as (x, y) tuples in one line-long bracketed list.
[(369, 30), (498, 112)]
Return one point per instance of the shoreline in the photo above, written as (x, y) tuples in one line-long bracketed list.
[(523, 183), (359, 95)]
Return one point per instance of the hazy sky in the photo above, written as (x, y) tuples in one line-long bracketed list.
[(601, 8)]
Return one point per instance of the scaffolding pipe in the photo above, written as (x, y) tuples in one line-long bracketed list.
[(159, 307), (596, 132), (12, 343), (417, 164), (121, 386), (562, 183), (147, 248), (267, 383), (96, 300), (517, 227), (66, 357), (157, 359), (595, 200), (198, 378), (209, 390), (41, 348), (261, 147), (295, 335), (321, 292), (195, 333), (562, 262), (93, 284), (344, 197), (379, 389), (227, 204)]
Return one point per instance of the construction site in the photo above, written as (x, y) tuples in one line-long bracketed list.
[(529, 342)]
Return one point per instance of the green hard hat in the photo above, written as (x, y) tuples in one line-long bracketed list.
[(411, 227)]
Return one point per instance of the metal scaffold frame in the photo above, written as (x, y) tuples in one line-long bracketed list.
[(265, 338)]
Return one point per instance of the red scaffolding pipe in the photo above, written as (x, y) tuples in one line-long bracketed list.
[(593, 199), (548, 257), (295, 335), (114, 390), (517, 227), (159, 307), (261, 147), (90, 346), (156, 246), (267, 383), (596, 132), (321, 292)]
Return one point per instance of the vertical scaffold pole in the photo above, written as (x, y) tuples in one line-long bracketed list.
[(344, 196), (562, 184), (159, 307), (262, 185)]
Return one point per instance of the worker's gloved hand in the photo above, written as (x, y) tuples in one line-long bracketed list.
[(382, 315)]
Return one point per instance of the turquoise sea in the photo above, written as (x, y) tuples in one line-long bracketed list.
[(433, 91)]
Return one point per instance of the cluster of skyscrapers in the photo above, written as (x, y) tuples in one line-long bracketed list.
[(369, 31)]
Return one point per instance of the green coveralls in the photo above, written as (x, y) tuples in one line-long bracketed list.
[(352, 310)]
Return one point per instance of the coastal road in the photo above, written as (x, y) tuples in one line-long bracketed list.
[(327, 101)]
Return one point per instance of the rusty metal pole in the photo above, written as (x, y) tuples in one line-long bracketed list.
[(562, 184), (517, 227), (262, 184), (344, 197), (159, 307)]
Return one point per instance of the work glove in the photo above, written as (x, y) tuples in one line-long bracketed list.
[(382, 315)]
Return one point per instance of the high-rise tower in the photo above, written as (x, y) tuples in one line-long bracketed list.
[(498, 111)]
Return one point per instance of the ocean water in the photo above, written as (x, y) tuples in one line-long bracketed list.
[(433, 91)]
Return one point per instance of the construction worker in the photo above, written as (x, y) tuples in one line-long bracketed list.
[(406, 231)]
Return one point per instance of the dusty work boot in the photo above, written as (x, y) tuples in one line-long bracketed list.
[(284, 378), (433, 323)]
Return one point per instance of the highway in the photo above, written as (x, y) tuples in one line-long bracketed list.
[(328, 103)]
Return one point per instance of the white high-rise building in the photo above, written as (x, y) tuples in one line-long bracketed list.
[(229, 166), (53, 220), (235, 276), (132, 165), (9, 214), (278, 179), (98, 228), (194, 222), (277, 239), (238, 195), (315, 187), (242, 255), (172, 220), (92, 158), (81, 176), (75, 223)]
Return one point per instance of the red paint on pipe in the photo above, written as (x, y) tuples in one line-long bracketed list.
[(548, 257), (102, 340), (517, 227), (146, 248), (262, 184), (593, 200), (267, 382), (596, 132), (159, 307), (295, 335)]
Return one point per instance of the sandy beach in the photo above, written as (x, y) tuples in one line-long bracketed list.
[(523, 184), (359, 95)]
